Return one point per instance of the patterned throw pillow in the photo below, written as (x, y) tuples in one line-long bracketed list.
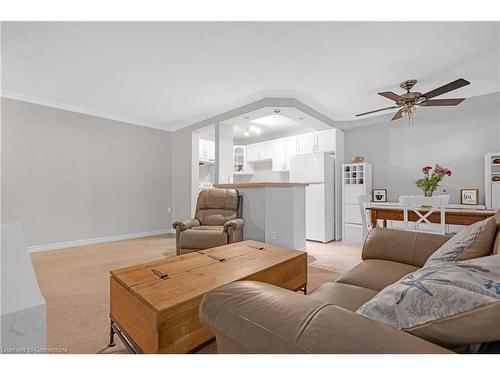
[(474, 241), (437, 292)]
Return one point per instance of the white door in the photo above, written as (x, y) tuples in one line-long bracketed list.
[(325, 140), (315, 212), (352, 192), (305, 143)]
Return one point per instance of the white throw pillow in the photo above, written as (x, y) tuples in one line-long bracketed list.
[(457, 245), (436, 292)]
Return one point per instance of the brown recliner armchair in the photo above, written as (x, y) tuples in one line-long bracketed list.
[(217, 222)]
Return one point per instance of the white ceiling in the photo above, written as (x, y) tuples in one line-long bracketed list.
[(294, 122), (298, 123), (170, 75)]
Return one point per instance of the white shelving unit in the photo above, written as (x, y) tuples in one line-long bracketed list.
[(492, 187), (356, 181)]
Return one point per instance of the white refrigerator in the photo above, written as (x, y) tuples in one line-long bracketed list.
[(318, 169)]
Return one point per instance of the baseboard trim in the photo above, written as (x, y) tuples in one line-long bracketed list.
[(91, 241)]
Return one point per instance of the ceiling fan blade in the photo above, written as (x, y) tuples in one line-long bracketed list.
[(440, 102), (377, 110), (447, 88), (391, 95), (398, 115)]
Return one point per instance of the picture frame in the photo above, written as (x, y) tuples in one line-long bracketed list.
[(469, 196), (379, 195)]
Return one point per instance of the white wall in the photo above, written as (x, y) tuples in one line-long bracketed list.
[(456, 137), (68, 176), (223, 153)]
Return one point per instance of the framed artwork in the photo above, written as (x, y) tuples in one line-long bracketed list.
[(379, 195), (469, 196)]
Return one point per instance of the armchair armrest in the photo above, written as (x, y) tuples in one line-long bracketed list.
[(402, 246), (186, 224), (254, 317), (234, 229), (235, 224)]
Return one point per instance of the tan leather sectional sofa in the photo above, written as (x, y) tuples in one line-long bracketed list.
[(252, 317)]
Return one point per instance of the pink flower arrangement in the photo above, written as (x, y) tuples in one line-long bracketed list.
[(432, 178)]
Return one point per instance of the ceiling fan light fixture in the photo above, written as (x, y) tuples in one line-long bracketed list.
[(408, 102)]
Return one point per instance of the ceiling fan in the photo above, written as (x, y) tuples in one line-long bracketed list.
[(410, 100)]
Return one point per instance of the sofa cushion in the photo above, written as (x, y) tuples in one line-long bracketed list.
[(474, 241), (349, 297), (203, 237), (449, 303), (496, 245), (215, 216), (376, 273)]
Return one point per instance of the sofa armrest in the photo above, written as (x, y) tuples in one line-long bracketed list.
[(235, 224), (402, 246), (186, 224), (254, 317)]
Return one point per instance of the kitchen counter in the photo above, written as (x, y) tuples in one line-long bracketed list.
[(259, 184), (274, 212)]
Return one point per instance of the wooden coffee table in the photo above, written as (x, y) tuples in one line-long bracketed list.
[(154, 306)]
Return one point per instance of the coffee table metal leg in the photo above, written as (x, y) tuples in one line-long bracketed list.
[(127, 341), (111, 335)]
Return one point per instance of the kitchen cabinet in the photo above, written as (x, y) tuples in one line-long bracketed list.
[(207, 150), (240, 165), (320, 141), (306, 142), (325, 140), (284, 149), (260, 151)]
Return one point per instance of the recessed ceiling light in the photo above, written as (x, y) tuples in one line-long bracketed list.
[(274, 120), (246, 134), (252, 128), (257, 130)]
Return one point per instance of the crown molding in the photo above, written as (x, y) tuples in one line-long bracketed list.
[(78, 109)]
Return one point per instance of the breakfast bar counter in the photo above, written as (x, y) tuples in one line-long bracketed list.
[(274, 212), (240, 185)]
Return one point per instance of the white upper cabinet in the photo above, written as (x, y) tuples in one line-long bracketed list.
[(207, 150), (260, 151), (284, 149), (321, 141), (305, 143), (279, 161), (325, 140)]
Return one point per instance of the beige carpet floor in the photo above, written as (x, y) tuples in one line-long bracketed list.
[(75, 284)]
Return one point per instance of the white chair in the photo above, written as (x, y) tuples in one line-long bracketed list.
[(431, 204), (364, 203)]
